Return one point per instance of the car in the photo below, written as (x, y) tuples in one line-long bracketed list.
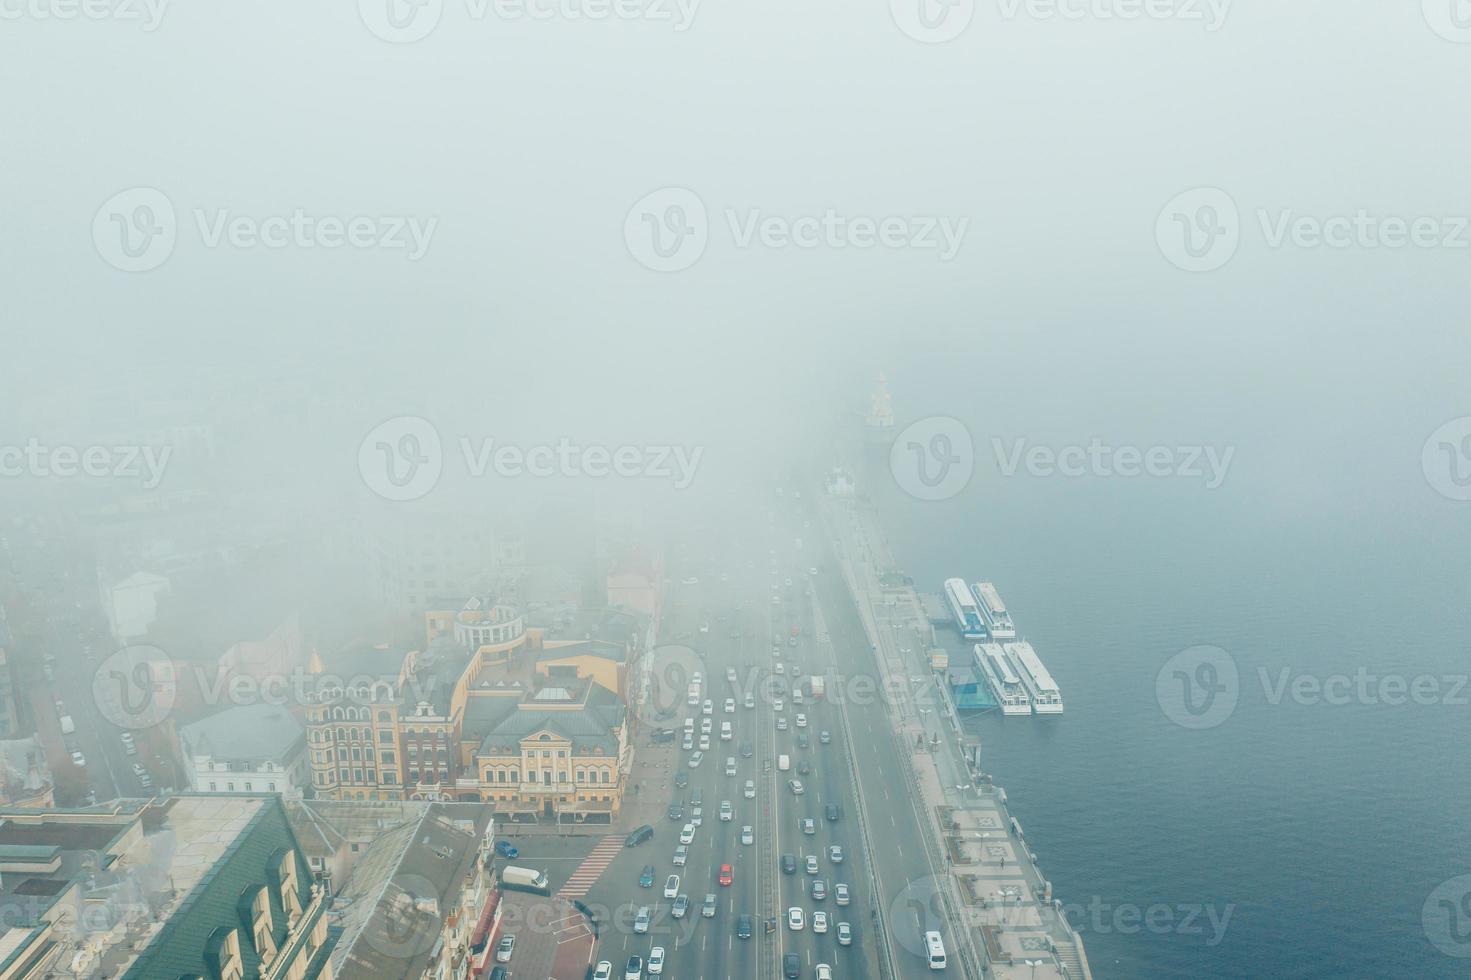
[(505, 948), (687, 834), (730, 765), (727, 875), (778, 704), (797, 696), (791, 966), (696, 759), (748, 836), (675, 811), (743, 926), (708, 708), (634, 970), (796, 919), (704, 627), (697, 816), (681, 780), (840, 894), (646, 877), (78, 760), (671, 886), (726, 733), (750, 701), (819, 922), (747, 750), (662, 735), (795, 785), (809, 826), (656, 961), (129, 745), (780, 668), (824, 972), (730, 675), (689, 741), (680, 907), (792, 642), (811, 864), (704, 743), (801, 721), (634, 839), (781, 723), (691, 580), (819, 890), (825, 737), (727, 812), (681, 856), (845, 934), (706, 726), (730, 706), (641, 920), (803, 769), (788, 864), (750, 790), (835, 853), (603, 971), (802, 742), (708, 908), (832, 812)]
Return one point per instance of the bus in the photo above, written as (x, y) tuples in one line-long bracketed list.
[(934, 948)]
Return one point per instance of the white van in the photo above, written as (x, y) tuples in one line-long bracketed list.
[(783, 762)]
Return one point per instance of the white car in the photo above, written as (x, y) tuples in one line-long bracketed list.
[(78, 760), (819, 922), (707, 725), (750, 789), (801, 721), (730, 706), (697, 678), (603, 971), (655, 966), (781, 668), (671, 886), (730, 674), (681, 856), (687, 834), (795, 785), (845, 934), (777, 704), (750, 700), (796, 919), (835, 853), (747, 836), (708, 708), (727, 812), (504, 950), (704, 743), (641, 921), (824, 972), (726, 733), (697, 816), (781, 723), (696, 759)]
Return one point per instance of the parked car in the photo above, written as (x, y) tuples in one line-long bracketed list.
[(603, 971), (505, 948), (506, 850)]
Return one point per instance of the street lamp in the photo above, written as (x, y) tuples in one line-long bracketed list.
[(1033, 964)]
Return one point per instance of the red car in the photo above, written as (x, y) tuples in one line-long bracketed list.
[(727, 875)]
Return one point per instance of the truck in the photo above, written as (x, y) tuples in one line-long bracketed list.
[(524, 880), (819, 687), (67, 725)]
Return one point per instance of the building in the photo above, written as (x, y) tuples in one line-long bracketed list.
[(421, 900), (27, 777), (9, 720), (183, 886), (335, 833), (351, 711), (251, 748)]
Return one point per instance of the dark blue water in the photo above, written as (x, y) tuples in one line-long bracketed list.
[(1320, 829)]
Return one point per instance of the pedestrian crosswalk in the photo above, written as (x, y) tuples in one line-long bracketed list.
[(592, 868)]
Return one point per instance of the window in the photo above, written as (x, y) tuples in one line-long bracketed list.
[(230, 787), (531, 775), (271, 787), (213, 787), (247, 787)]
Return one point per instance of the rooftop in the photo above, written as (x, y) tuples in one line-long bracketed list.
[(245, 733)]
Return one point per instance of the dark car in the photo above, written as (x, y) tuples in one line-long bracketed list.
[(638, 836), (802, 741), (743, 927), (663, 735), (791, 966), (788, 864), (832, 812), (746, 750), (675, 811), (681, 780), (499, 973), (646, 879), (505, 850)]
